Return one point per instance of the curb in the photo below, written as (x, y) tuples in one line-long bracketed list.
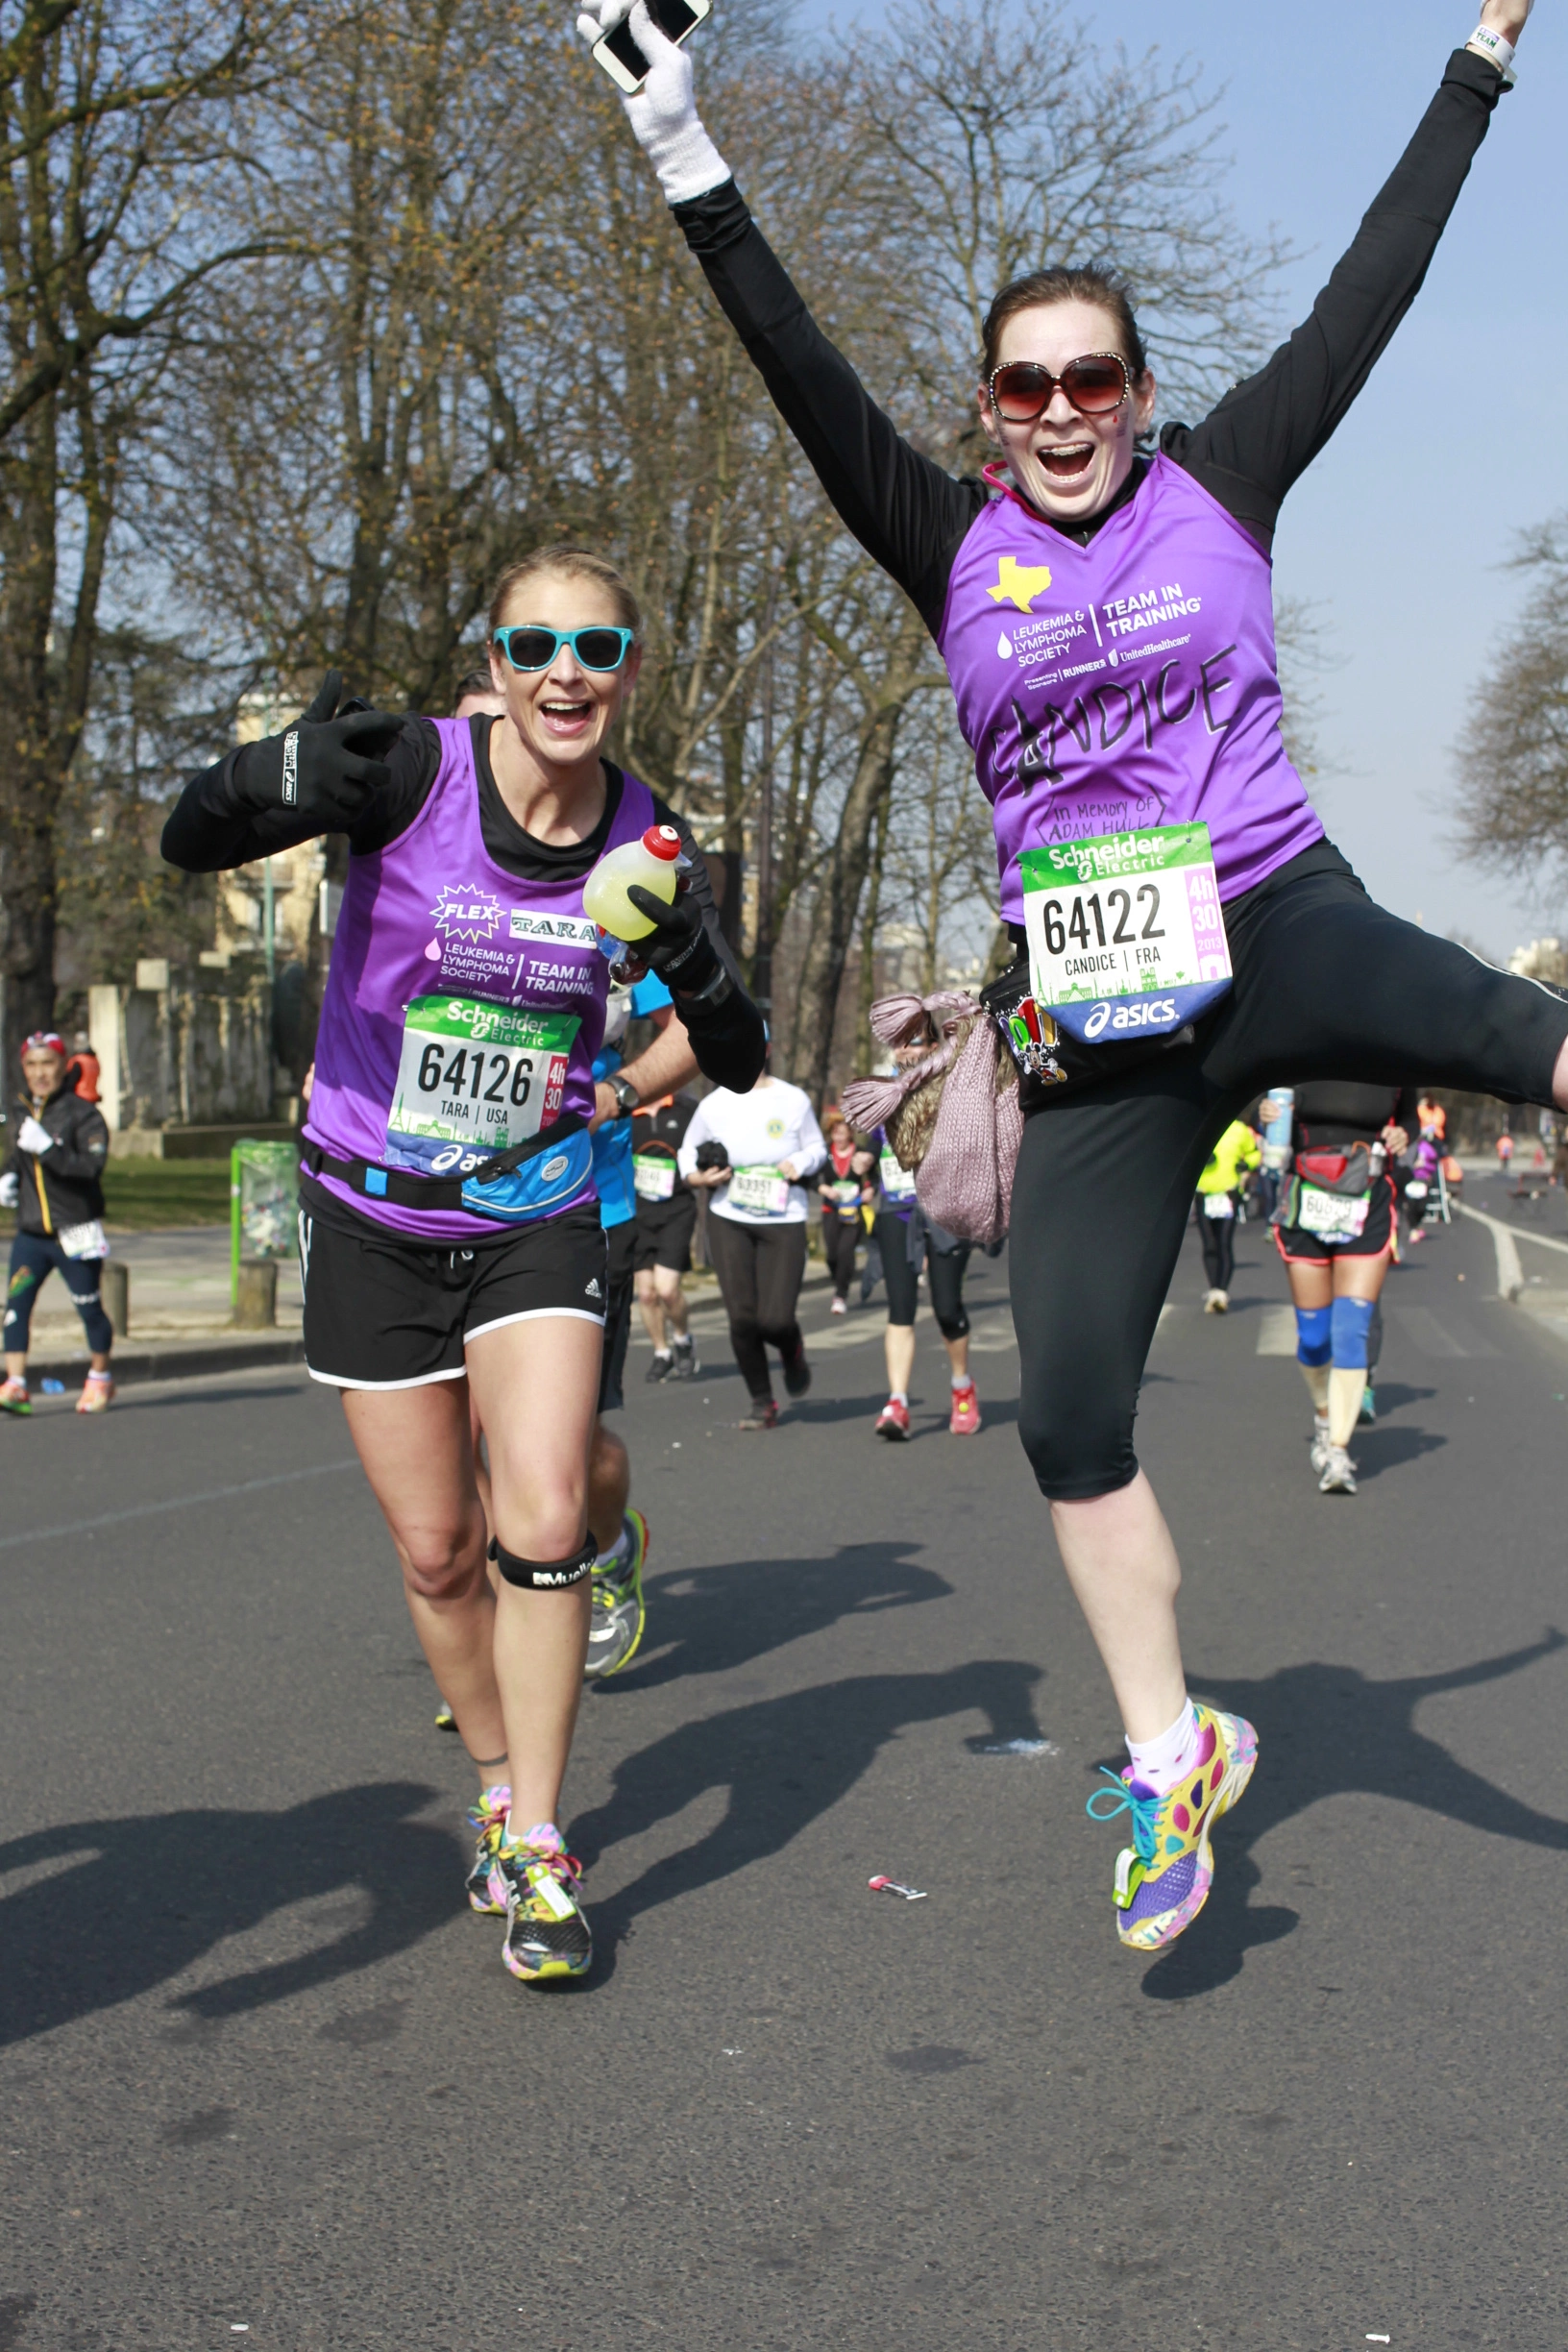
[(174, 1359)]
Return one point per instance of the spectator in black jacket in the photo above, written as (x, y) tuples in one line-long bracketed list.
[(54, 1179)]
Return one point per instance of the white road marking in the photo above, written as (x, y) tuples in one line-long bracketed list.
[(146, 1510)]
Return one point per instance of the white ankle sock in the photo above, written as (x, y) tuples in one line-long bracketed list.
[(1160, 1763), (898, 1396), (617, 1553), (962, 1380)]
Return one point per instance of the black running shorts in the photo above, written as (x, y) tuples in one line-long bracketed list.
[(664, 1233), (1300, 1247), (382, 1311)]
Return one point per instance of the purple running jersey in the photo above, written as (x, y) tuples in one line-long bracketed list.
[(1128, 683), (464, 1008)]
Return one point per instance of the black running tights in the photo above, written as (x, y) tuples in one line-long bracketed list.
[(839, 1235), (760, 1270), (1327, 985), (1218, 1237)]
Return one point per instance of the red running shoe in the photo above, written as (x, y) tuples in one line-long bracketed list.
[(893, 1421), (965, 1418)]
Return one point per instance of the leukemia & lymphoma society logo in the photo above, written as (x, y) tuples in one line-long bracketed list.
[(467, 914)]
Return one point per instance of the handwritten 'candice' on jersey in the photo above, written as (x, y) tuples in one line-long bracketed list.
[(1150, 703)]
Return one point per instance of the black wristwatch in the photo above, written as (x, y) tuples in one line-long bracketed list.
[(626, 1093)]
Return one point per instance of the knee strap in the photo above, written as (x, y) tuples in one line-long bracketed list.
[(544, 1576), (1314, 1344), (1352, 1321)]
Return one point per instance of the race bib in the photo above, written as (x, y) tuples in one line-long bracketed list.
[(1126, 934), (474, 1079), (85, 1240), (845, 1191), (1218, 1204), (1332, 1216), (655, 1178), (897, 1183), (762, 1192)]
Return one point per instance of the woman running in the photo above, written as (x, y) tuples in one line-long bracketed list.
[(1106, 617), (1219, 1194), (752, 1153), (54, 1179), (904, 1234), (843, 1188), (450, 1236), (1336, 1236)]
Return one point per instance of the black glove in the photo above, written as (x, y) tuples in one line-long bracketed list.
[(712, 1153), (322, 768), (679, 949)]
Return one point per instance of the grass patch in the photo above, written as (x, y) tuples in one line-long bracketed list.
[(144, 1195)]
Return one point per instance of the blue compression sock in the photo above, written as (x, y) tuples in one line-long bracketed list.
[(1313, 1343), (1352, 1321)]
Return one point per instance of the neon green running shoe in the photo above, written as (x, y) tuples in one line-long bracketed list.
[(1164, 1876), (620, 1611)]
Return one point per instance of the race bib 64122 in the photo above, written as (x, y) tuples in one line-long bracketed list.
[(1126, 934)]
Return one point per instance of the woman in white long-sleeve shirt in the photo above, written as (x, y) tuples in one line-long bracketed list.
[(757, 1225)]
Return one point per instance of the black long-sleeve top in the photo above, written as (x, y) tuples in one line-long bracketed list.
[(911, 516), (210, 832)]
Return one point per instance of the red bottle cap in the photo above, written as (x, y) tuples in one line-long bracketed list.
[(662, 842)]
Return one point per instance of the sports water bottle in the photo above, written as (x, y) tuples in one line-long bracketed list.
[(649, 863)]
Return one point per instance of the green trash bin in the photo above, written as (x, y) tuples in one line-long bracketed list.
[(263, 1188)]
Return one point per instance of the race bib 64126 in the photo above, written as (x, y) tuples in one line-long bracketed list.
[(474, 1079)]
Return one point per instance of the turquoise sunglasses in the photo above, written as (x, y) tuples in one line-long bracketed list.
[(529, 647)]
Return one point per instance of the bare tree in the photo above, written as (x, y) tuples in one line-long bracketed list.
[(114, 124), (1512, 762)]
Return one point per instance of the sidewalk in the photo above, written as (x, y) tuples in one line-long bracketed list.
[(179, 1313), (179, 1310)]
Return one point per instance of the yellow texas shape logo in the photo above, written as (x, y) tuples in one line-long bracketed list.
[(1018, 583)]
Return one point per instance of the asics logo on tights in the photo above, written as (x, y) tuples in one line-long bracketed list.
[(1152, 1013)]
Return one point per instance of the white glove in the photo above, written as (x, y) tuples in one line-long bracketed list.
[(663, 115), (33, 1137), (9, 1189)]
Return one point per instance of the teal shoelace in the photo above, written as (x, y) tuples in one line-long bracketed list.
[(1144, 1810)]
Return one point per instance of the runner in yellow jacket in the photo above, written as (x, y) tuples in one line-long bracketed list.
[(1219, 1190)]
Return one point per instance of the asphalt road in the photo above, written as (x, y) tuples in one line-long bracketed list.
[(265, 2080)]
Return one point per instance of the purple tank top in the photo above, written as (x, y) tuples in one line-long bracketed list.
[(432, 932), (1129, 682)]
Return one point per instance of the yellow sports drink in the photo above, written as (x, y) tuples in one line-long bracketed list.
[(649, 863)]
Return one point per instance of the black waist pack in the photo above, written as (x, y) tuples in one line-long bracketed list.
[(1047, 1057)]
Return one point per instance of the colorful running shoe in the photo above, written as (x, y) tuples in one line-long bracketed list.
[(893, 1421), (445, 1719), (487, 1819), (547, 1934), (620, 1611), (1164, 1876), (964, 1421), (97, 1392), (14, 1396), (1370, 1404)]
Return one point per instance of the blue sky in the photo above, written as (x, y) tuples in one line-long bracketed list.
[(1399, 532)]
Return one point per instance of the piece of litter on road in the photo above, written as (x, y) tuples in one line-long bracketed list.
[(52, 1387), (1017, 1748), (891, 1886), (1379, 2340)]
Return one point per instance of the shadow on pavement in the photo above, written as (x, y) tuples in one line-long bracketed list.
[(1328, 1731), (712, 1619), (151, 1894), (784, 1761)]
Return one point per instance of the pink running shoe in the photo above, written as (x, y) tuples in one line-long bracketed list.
[(97, 1392), (965, 1419), (893, 1421)]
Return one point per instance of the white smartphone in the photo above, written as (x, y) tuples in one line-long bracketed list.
[(619, 54)]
